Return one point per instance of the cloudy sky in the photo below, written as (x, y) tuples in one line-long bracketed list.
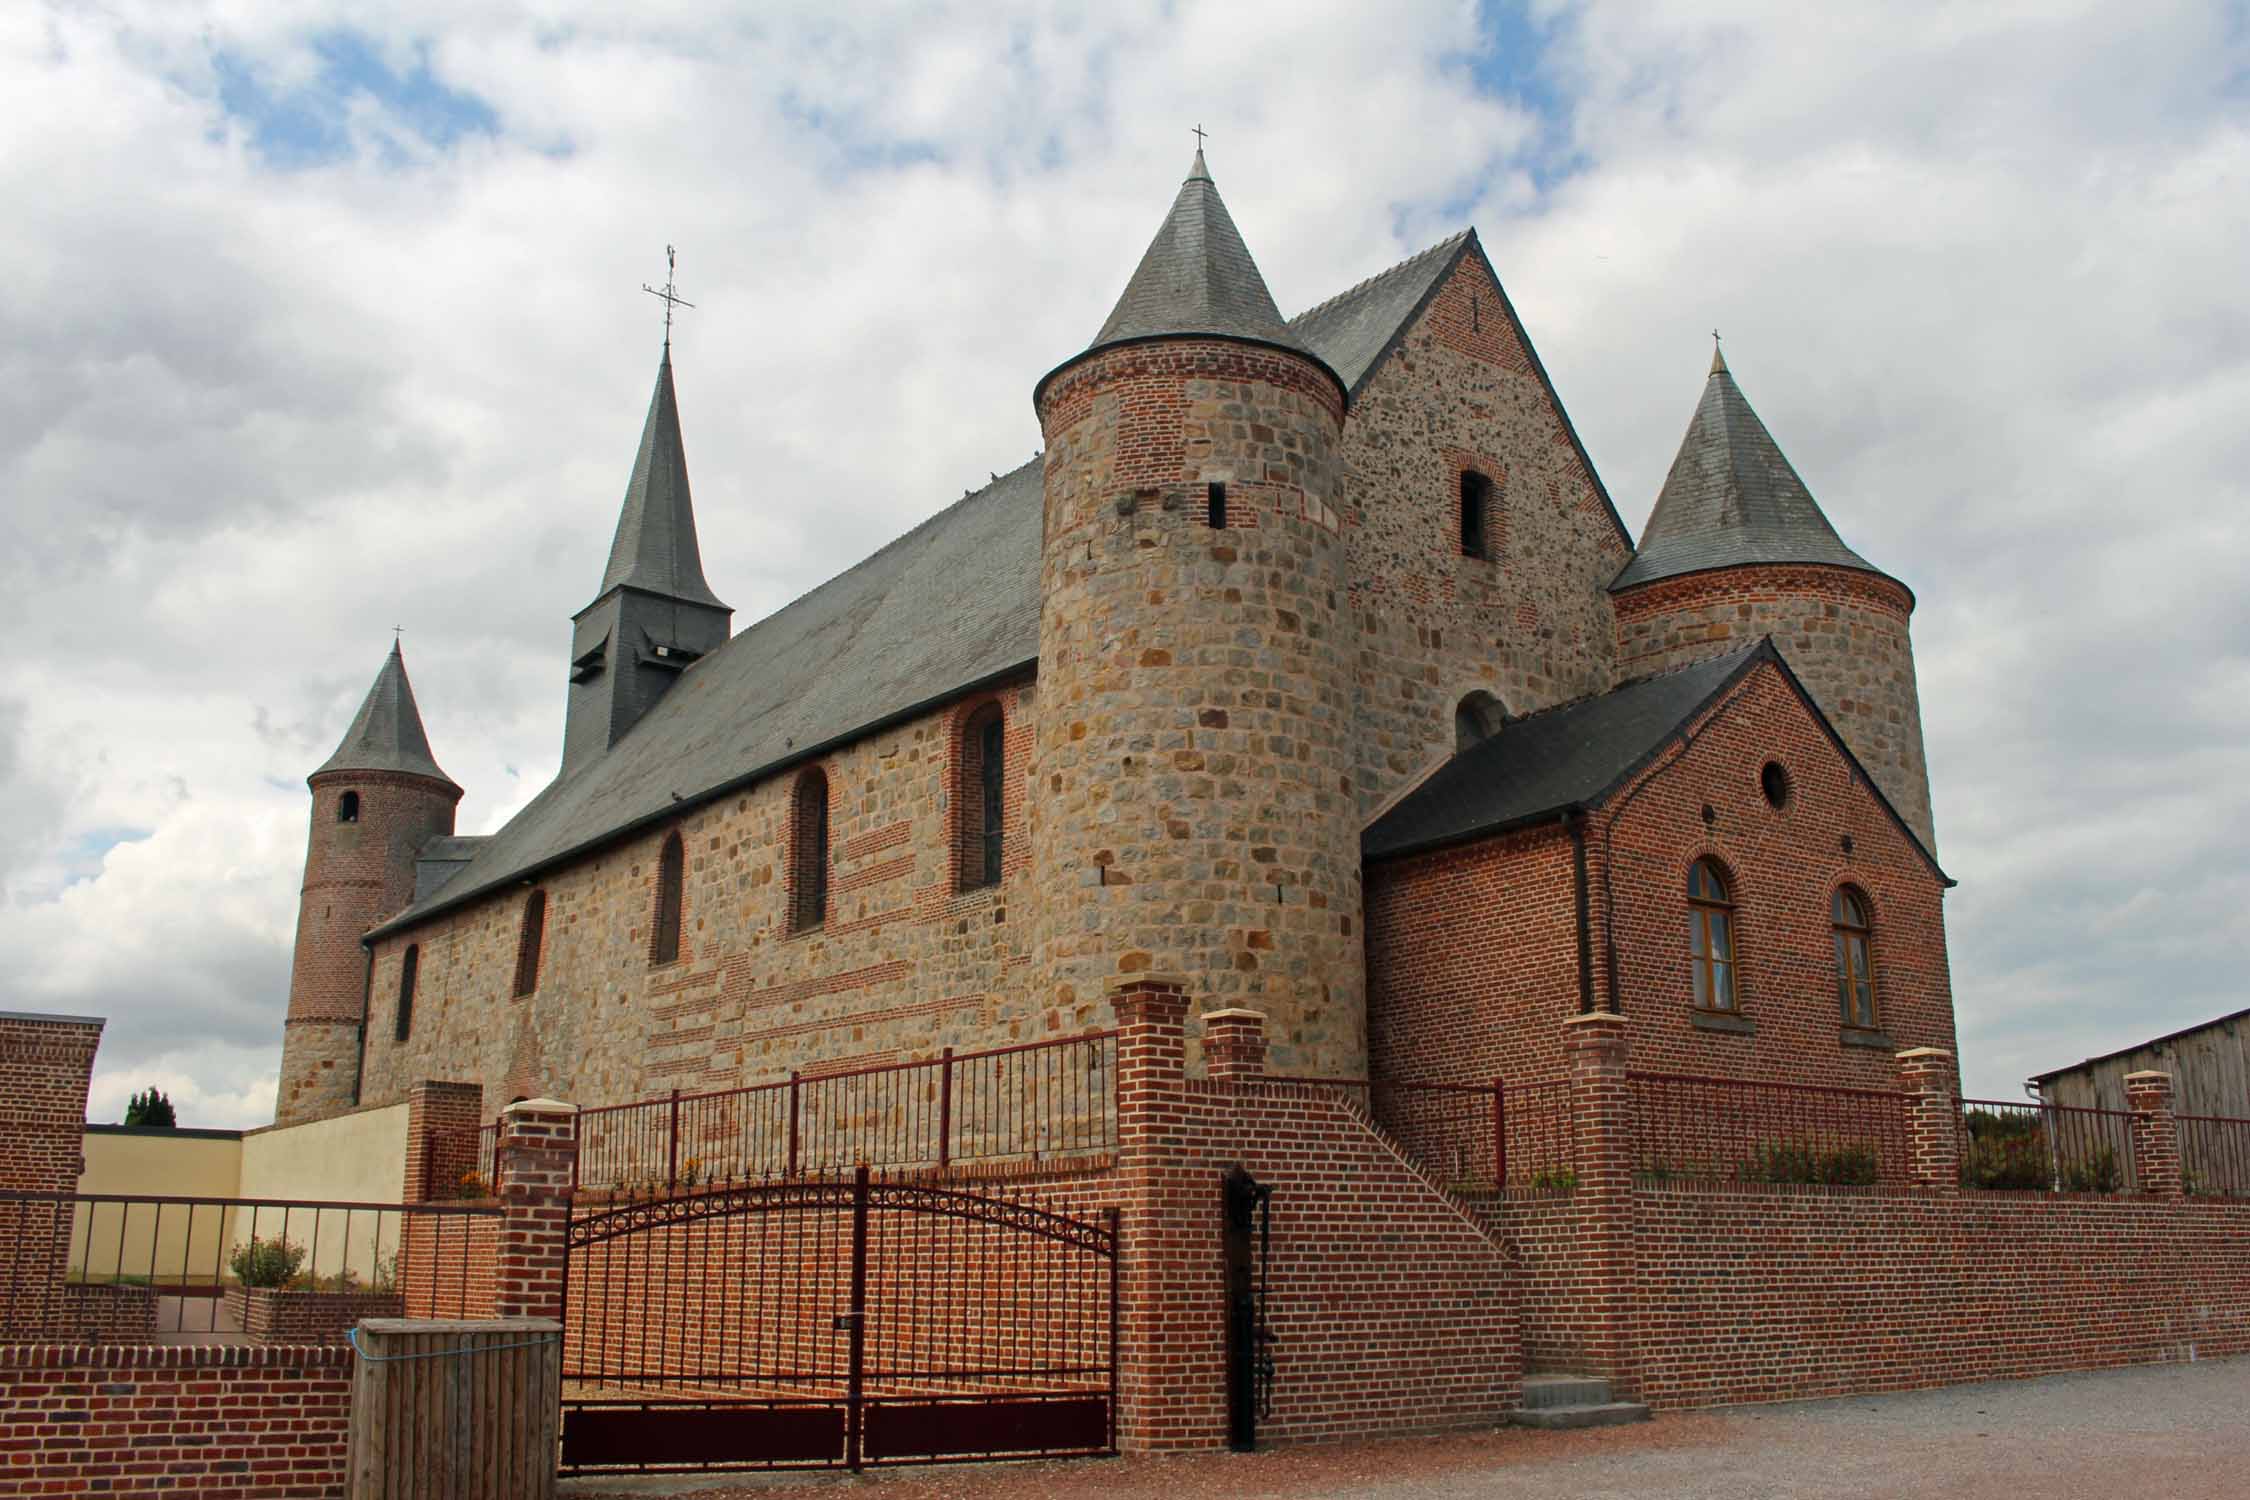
[(319, 318)]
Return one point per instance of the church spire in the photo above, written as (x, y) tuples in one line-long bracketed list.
[(655, 547), (387, 733)]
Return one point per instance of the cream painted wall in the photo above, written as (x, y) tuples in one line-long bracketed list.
[(354, 1158), (110, 1240)]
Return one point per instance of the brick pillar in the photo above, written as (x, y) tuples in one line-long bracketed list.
[(441, 1138), (1234, 1046), (1601, 1102), (1933, 1118), (538, 1154), (2156, 1134), (46, 1063)]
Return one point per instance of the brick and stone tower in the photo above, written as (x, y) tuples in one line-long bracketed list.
[(653, 614), (1736, 549), (1193, 811), (375, 803)]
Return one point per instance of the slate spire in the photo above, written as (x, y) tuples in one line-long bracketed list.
[(1197, 277), (387, 734), (1731, 497), (655, 548)]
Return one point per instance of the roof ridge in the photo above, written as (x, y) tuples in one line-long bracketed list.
[(1386, 273), (1632, 682)]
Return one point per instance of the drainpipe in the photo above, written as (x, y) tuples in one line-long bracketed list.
[(1575, 819)]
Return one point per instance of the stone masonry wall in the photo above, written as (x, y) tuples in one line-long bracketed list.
[(1844, 633), (905, 964), (1531, 625), (1194, 809)]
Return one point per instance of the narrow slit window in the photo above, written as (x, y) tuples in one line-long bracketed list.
[(983, 785), (809, 875), (671, 877), (530, 941), (1476, 508), (347, 808), (1215, 499), (409, 971)]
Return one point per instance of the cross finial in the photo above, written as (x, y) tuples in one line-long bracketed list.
[(1718, 360), (668, 294), (1200, 133)]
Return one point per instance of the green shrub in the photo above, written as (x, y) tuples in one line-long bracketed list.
[(2005, 1152), (1554, 1180), (268, 1263), (2097, 1172), (1789, 1162)]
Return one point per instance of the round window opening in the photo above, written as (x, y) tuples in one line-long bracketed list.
[(1774, 782)]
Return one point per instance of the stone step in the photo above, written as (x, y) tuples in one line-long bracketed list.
[(1603, 1414), (1564, 1390)]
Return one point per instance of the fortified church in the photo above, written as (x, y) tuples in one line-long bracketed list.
[(1310, 667)]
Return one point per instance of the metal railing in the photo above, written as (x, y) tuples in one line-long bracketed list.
[(2215, 1156), (463, 1163), (2009, 1145), (125, 1268), (1741, 1130), (1036, 1101), (1473, 1136)]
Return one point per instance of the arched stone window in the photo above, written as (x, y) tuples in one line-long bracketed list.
[(1855, 957), (983, 790), (347, 808), (409, 969), (1476, 514), (529, 941), (671, 876), (1476, 718), (808, 852), (1711, 937)]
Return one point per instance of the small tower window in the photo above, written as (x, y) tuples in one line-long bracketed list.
[(409, 970), (1711, 937), (1215, 506), (1855, 962), (530, 941), (808, 867), (671, 876), (1476, 514), (347, 808), (984, 801), (1476, 718)]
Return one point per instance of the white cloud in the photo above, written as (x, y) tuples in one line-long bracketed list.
[(1978, 269)]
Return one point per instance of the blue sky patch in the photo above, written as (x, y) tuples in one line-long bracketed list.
[(1512, 64), (306, 127)]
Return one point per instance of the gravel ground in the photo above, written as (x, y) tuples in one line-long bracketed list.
[(2181, 1432)]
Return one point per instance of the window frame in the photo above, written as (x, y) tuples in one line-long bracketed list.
[(1854, 983), (1712, 926), (531, 944), (409, 979), (809, 850), (668, 924), (981, 793)]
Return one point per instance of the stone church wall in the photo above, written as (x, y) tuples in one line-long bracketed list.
[(904, 965), (1531, 625)]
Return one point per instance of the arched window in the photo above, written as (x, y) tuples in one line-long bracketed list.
[(531, 940), (808, 853), (984, 801), (1476, 514), (347, 808), (1855, 959), (409, 969), (671, 875), (1476, 718), (1711, 937)]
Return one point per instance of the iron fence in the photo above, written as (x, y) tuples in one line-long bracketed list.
[(2009, 1145), (1470, 1136), (124, 1268), (1037, 1101), (1741, 1130), (2215, 1156)]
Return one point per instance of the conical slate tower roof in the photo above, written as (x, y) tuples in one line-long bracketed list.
[(1197, 277), (1732, 498), (655, 548), (387, 735)]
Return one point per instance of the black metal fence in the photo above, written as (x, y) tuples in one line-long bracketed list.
[(2007, 1145)]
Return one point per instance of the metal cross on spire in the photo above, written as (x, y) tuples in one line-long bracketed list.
[(1200, 133), (668, 294)]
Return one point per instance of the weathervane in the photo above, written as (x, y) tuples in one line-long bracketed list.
[(669, 296)]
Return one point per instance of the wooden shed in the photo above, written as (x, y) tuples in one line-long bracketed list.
[(2209, 1064)]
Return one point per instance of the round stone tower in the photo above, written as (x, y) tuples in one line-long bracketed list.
[(375, 803), (1736, 549), (1194, 812)]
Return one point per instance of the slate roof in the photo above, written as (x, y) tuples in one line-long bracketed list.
[(953, 603), (387, 734), (1732, 498), (655, 548), (1544, 763), (440, 859), (1197, 276), (1352, 329)]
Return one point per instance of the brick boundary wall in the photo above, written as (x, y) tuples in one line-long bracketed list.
[(195, 1419), (46, 1067)]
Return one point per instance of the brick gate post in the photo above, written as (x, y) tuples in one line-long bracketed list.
[(441, 1138), (538, 1150), (1601, 1102), (1234, 1046), (2156, 1135), (46, 1065), (1933, 1118)]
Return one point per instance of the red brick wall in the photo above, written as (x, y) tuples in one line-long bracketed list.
[(206, 1420), (46, 1063)]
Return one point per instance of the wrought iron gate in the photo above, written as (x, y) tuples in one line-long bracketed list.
[(811, 1324)]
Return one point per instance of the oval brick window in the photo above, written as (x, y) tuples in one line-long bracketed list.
[(1774, 782)]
